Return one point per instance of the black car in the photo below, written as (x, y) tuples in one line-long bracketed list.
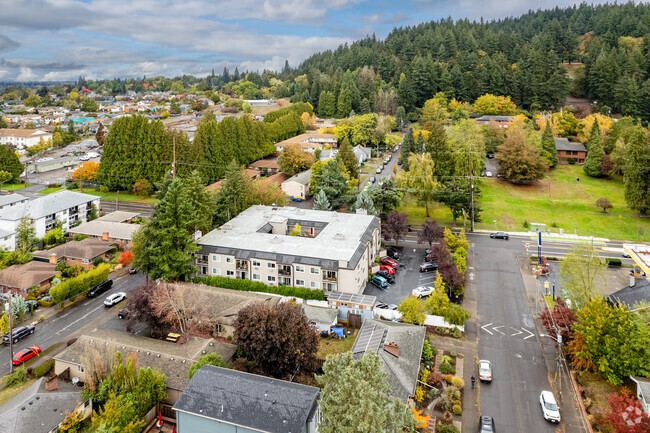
[(499, 235), (32, 303), (392, 253), (390, 278), (18, 334), (99, 288), (486, 425), (428, 267), (133, 271), (123, 313)]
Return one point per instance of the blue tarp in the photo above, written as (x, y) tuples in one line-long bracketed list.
[(339, 332)]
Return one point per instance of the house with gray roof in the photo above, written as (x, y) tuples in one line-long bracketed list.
[(332, 252), (321, 317), (82, 253), (298, 185), (399, 346), (219, 400), (114, 227), (9, 200), (66, 207), (568, 151), (362, 153), (7, 240), (630, 295)]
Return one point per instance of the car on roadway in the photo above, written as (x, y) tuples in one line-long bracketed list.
[(486, 424), (133, 271), (388, 261), (379, 282), (499, 235), (387, 268), (485, 370), (123, 313), (550, 408), (393, 253), (100, 288), (625, 255), (18, 334), (488, 174), (388, 277), (379, 169), (25, 355), (115, 298), (428, 267), (422, 291)]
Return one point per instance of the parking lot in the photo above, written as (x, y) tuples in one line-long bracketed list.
[(407, 277)]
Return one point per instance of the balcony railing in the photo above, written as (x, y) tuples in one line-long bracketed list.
[(242, 266)]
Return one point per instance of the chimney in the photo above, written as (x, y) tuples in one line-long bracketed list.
[(632, 281), (105, 236), (53, 260), (392, 348)]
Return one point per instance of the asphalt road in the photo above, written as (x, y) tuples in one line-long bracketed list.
[(110, 206), (60, 326)]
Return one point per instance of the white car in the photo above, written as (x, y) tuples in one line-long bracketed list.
[(485, 370), (488, 174), (422, 291), (114, 299), (550, 408)]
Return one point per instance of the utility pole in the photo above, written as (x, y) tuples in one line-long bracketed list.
[(11, 336), (81, 178), (471, 188), (174, 156)]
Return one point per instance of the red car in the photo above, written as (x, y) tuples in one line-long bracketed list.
[(26, 354), (387, 268), (390, 262)]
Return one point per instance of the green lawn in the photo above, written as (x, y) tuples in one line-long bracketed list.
[(14, 186), (572, 204), (332, 346), (124, 196), (50, 190)]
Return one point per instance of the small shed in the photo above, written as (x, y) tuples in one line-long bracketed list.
[(352, 303), (322, 318)]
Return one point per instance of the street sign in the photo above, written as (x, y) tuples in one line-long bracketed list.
[(527, 246), (546, 284)]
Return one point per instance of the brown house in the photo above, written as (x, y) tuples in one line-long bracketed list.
[(567, 150), (266, 166), (113, 227), (18, 279), (83, 252)]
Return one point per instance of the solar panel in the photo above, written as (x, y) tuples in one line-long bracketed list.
[(370, 338)]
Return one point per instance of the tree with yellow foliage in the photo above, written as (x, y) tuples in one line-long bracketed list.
[(585, 126), (86, 171)]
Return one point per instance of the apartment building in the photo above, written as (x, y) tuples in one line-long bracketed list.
[(23, 138), (320, 250)]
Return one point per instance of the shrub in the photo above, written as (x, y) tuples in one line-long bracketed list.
[(554, 225), (427, 351), (255, 286), (446, 428), (448, 359), (103, 189), (73, 185), (442, 330), (17, 378), (456, 333), (453, 353), (526, 224), (229, 110), (435, 379), (447, 417), (614, 262), (446, 368), (98, 261), (448, 378), (458, 382), (435, 351), (41, 317), (80, 284), (79, 238), (142, 188), (424, 376), (43, 369), (457, 410), (47, 304), (419, 394), (571, 161), (433, 392)]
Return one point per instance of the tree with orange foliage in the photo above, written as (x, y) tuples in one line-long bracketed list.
[(86, 171), (125, 258), (421, 421)]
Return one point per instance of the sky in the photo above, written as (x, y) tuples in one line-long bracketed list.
[(59, 40)]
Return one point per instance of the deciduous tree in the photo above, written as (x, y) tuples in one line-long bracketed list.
[(346, 155), (293, 160), (561, 320), (25, 235), (519, 162), (395, 227), (207, 359), (420, 179), (604, 204), (86, 171), (627, 414), (9, 161), (430, 232), (583, 272), (412, 310)]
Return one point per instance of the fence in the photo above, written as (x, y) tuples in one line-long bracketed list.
[(429, 320)]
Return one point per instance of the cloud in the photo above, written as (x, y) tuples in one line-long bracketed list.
[(7, 44)]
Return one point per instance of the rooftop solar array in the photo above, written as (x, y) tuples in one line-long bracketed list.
[(369, 338), (352, 298)]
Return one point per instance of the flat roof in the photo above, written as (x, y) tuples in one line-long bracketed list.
[(119, 216), (115, 230), (352, 298), (341, 239), (640, 253)]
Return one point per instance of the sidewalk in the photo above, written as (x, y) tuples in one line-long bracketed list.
[(471, 401), (559, 380)]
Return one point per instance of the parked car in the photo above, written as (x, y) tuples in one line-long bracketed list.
[(388, 261), (25, 355), (379, 282), (32, 303), (123, 313), (387, 268), (372, 179), (422, 291), (399, 162), (390, 278), (488, 174), (99, 288), (133, 271), (379, 169), (499, 235), (428, 267), (486, 425), (485, 370), (18, 334), (393, 253), (392, 307), (114, 299), (550, 408)]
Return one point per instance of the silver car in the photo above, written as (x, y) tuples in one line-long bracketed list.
[(115, 298), (485, 370)]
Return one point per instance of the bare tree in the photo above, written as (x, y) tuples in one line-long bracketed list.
[(184, 306)]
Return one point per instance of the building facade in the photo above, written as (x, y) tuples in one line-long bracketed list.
[(23, 138), (327, 251)]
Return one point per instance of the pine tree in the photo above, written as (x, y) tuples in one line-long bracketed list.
[(595, 152), (400, 117), (365, 202), (234, 195), (441, 152), (637, 172), (344, 106), (346, 155), (549, 152), (408, 145), (406, 94), (321, 202)]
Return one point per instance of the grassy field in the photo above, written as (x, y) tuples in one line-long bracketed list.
[(14, 186), (50, 190), (331, 346), (124, 196), (7, 393), (572, 206)]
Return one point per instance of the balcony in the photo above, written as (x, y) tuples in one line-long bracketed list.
[(202, 260), (285, 270), (242, 265), (329, 276)]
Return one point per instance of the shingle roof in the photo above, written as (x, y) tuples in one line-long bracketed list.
[(27, 275), (172, 359), (266, 163), (320, 315), (25, 133), (49, 204), (302, 178), (564, 144), (11, 198), (119, 216), (243, 399), (86, 249), (402, 370), (277, 178), (628, 296), (115, 230)]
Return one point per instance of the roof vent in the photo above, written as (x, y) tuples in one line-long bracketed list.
[(147, 353), (211, 344), (171, 359), (30, 403), (23, 408), (38, 397), (339, 236), (227, 226), (276, 240), (203, 352), (158, 355), (183, 361)]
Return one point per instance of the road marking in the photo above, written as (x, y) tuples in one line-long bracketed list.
[(483, 328), (471, 276), (516, 333), (531, 334), (496, 328), (79, 319)]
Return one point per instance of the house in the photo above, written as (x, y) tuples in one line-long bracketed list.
[(399, 346), (298, 185), (332, 252), (252, 175), (266, 166), (349, 303), (643, 391), (362, 153), (23, 138), (82, 253), (7, 240), (309, 142), (327, 154), (630, 295), (322, 318), (501, 121), (277, 178), (570, 150), (9, 200), (41, 407), (172, 359), (66, 207), (18, 279), (114, 227), (220, 400)]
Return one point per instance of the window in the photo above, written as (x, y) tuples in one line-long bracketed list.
[(230, 273), (256, 263), (300, 283), (257, 277), (300, 269), (271, 278), (80, 369), (229, 260), (315, 285), (315, 271), (270, 265), (216, 258), (216, 271)]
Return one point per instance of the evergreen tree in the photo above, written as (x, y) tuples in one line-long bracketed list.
[(346, 155), (549, 152), (234, 195), (321, 202), (408, 145), (25, 235), (400, 117), (406, 94), (344, 106), (365, 202), (595, 152), (10, 162), (441, 152), (637, 171)]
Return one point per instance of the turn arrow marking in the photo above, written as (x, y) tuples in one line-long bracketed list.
[(516, 333), (496, 328), (531, 334), (483, 328)]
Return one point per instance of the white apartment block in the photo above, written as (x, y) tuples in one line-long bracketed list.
[(68, 207), (333, 252), (23, 138)]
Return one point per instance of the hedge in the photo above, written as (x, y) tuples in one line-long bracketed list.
[(43, 369), (614, 262), (255, 286), (43, 303), (80, 284)]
